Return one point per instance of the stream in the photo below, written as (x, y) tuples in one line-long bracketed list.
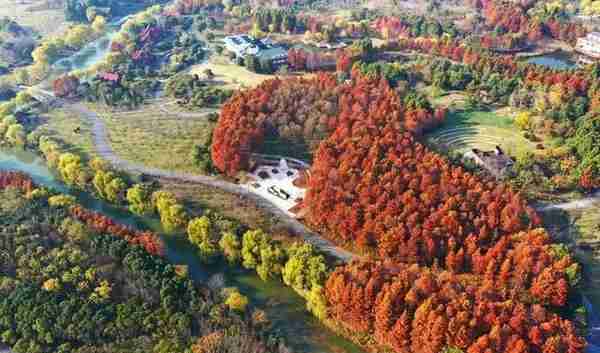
[(285, 309)]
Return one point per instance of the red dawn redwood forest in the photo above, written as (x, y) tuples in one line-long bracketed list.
[(465, 263)]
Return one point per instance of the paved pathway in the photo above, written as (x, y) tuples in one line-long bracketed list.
[(573, 205), (103, 148)]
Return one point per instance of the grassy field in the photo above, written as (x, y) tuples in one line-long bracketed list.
[(32, 13), (465, 130), (62, 124), (230, 75), (155, 138), (199, 197)]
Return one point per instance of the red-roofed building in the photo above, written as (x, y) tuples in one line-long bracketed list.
[(109, 76)]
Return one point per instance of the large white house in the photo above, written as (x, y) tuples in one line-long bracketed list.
[(264, 49), (589, 45)]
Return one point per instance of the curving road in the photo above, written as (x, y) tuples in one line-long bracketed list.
[(104, 149), (573, 205)]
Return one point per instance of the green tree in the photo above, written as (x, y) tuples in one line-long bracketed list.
[(316, 303), (73, 229), (23, 98), (523, 121), (109, 186), (72, 171), (305, 267), (251, 244), (261, 253), (15, 135), (61, 200), (139, 198), (202, 234), (252, 63), (236, 301), (231, 247), (272, 257), (172, 214), (78, 35)]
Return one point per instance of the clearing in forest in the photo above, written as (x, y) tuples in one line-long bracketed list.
[(464, 130)]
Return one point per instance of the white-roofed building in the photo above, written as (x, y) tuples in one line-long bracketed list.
[(264, 49), (589, 45)]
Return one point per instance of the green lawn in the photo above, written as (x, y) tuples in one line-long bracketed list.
[(479, 118), (63, 125), (465, 130)]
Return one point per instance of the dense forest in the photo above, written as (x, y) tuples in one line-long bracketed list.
[(414, 309), (75, 281), (302, 110)]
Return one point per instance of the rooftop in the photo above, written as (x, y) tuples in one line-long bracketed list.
[(496, 162)]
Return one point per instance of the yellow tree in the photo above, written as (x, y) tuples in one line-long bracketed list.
[(555, 96), (99, 24), (523, 121), (78, 35)]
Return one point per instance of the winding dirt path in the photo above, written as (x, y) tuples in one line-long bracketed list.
[(104, 149)]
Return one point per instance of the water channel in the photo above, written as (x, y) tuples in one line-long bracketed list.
[(559, 60), (283, 306)]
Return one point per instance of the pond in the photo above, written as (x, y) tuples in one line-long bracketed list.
[(283, 306), (88, 56), (560, 60)]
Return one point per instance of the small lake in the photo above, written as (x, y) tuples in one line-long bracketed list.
[(285, 309), (559, 60)]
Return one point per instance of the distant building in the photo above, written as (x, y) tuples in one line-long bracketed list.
[(496, 162), (589, 45), (264, 49), (277, 55)]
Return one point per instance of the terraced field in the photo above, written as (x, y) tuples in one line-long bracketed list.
[(464, 131)]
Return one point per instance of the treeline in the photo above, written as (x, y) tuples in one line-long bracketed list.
[(52, 49), (74, 287), (414, 309), (95, 221), (503, 17), (390, 27), (192, 91), (190, 7), (273, 20), (150, 44)]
